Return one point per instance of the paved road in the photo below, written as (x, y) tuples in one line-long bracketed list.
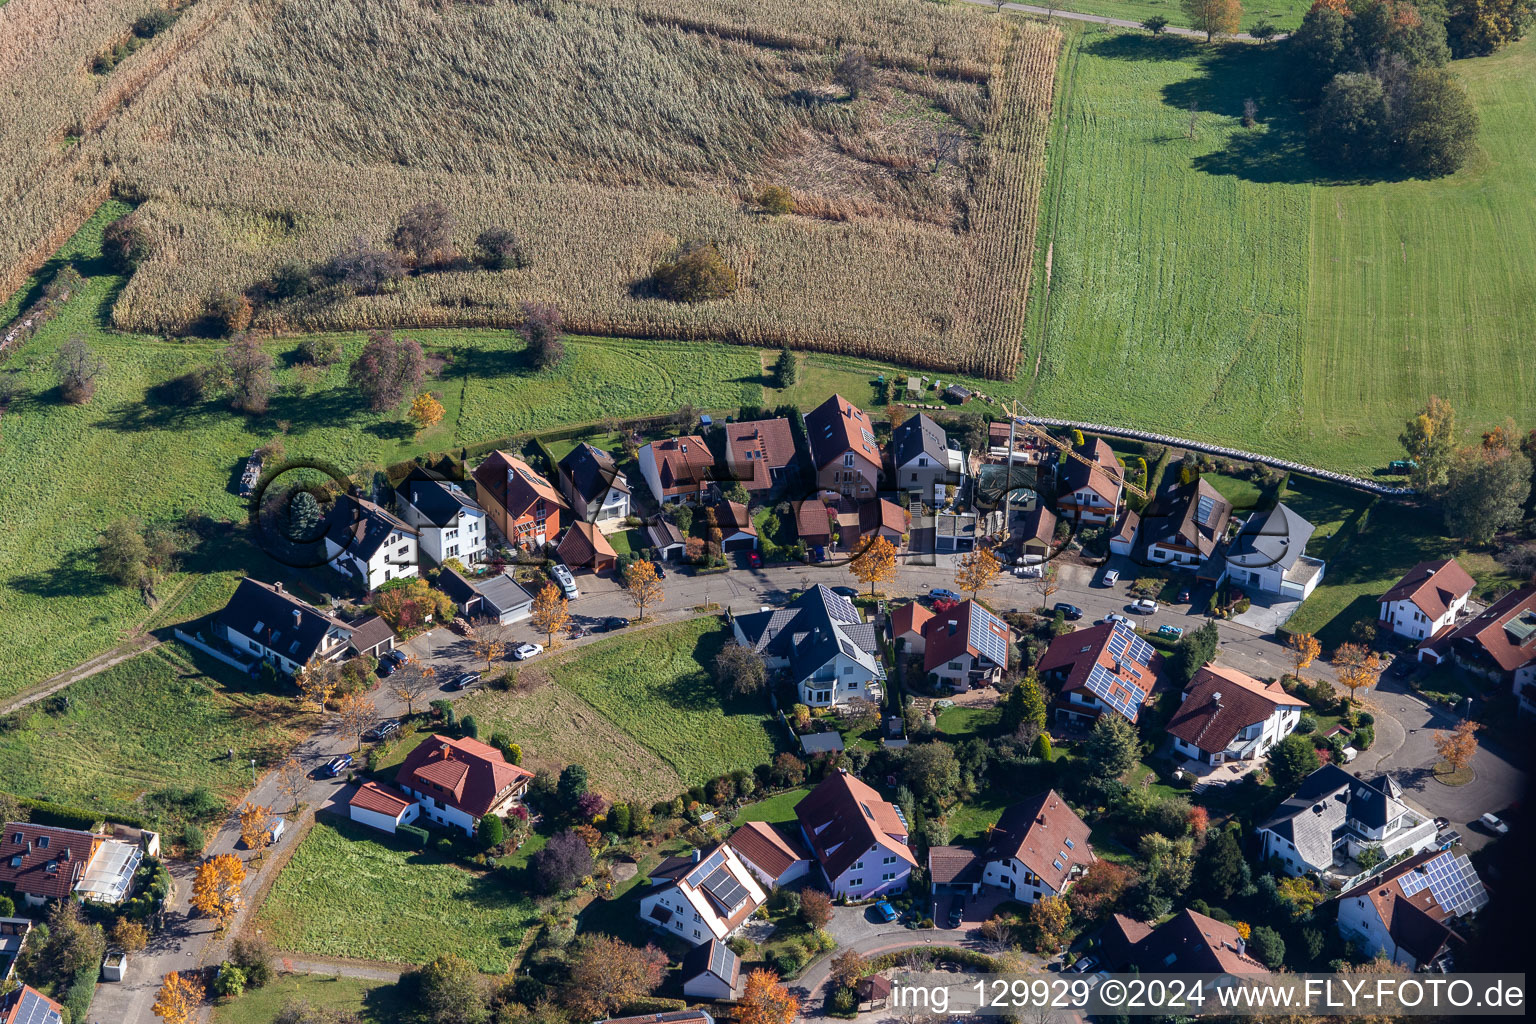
[(1100, 20)]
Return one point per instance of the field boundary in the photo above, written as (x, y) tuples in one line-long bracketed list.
[(1369, 486)]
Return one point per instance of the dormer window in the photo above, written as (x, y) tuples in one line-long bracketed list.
[(43, 842), (52, 868), (18, 838)]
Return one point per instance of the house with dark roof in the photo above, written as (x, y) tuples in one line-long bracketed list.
[(1228, 716), (371, 544), (671, 1017), (759, 454), (820, 638), (1102, 668), (1123, 540), (44, 862), (448, 522), (667, 541), (459, 781), (1411, 912), (1187, 943), (499, 598), (593, 485), (1089, 491), (843, 449), (775, 855), (711, 971), (584, 546), (966, 647), (1499, 643), (524, 506), (264, 620), (1269, 555), (1334, 817), (26, 1005), (678, 469), (858, 839), (372, 637), (1184, 526), (703, 898), (954, 871), (1038, 849), (1037, 532), (881, 518), (1427, 600), (923, 461)]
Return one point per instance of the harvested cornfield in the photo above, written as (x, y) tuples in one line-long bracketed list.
[(606, 134)]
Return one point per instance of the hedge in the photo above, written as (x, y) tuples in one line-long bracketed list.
[(940, 954), (419, 835), (82, 990), (45, 812), (650, 1005)]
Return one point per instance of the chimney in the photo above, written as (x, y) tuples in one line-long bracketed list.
[(278, 586), (1242, 947), (697, 854), (1216, 698)]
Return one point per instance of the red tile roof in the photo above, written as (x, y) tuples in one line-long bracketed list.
[(759, 446), (942, 644), (1074, 654), (26, 1005), (1077, 477), (909, 618), (837, 426), (884, 516), (1506, 631), (813, 521), (844, 819), (465, 774), (514, 485), (1432, 586), (771, 849), (1037, 833), (683, 463), (1213, 724), (41, 860), (733, 517), (585, 545), (371, 796)]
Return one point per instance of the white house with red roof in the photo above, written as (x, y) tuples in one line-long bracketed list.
[(677, 469), (1103, 668), (966, 647), (1427, 599), (858, 839), (459, 781), (773, 854), (1038, 849), (1227, 716), (1409, 913), (377, 807), (702, 898)]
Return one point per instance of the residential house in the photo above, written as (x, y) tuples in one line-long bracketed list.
[(711, 971), (701, 898), (678, 469), (1187, 943), (1428, 599), (525, 507), (736, 530), (828, 649), (448, 522), (377, 807), (1189, 524), (814, 521), (1038, 849), (593, 486), (1499, 643), (966, 647), (1123, 540), (843, 449), (1089, 491), (907, 623), (881, 518), (1037, 533), (372, 637), (585, 547), (371, 544), (1335, 816), (858, 839), (43, 862), (13, 938), (1105, 667), (265, 620), (459, 781), (1409, 912), (923, 461), (1269, 554), (671, 1017), (775, 855), (667, 541), (1229, 716), (759, 453), (954, 871), (498, 599), (955, 532), (26, 1005)]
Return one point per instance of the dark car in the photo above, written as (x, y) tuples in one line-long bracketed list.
[(382, 731), (845, 592), (1083, 965), (612, 623), (661, 573), (387, 667), (1071, 611), (336, 765), (754, 559), (462, 681), (956, 914)]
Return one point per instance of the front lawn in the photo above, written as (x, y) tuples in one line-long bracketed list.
[(351, 891), (375, 1002), (164, 719), (958, 723), (777, 810)]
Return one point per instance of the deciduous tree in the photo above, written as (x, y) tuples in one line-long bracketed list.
[(1304, 648), (489, 642), (551, 613), (1049, 919), (1099, 891), (256, 826), (854, 74), (1290, 761), (424, 234), (1213, 17), (740, 669), (122, 554), (1430, 441), (316, 683), (977, 571), (815, 908), (875, 564), (78, 366), (426, 410), (1025, 705), (643, 586), (413, 681), (451, 991), (543, 328), (249, 369), (563, 862), (356, 714), (765, 1001), (1457, 746), (292, 780), (1357, 667), (387, 370), (1485, 491), (216, 889), (848, 966), (179, 998), (607, 974)]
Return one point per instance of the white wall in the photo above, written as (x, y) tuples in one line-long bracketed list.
[(1408, 621), (851, 680), (859, 883), (433, 809), (383, 822)]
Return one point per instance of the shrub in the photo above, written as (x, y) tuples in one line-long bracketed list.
[(698, 273), (126, 243), (500, 249), (776, 199), (1306, 724), (415, 834), (320, 350), (227, 312), (193, 839)]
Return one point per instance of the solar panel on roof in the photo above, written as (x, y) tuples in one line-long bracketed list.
[(725, 889), (1452, 882), (1204, 509), (1114, 692), (707, 868), (985, 640)]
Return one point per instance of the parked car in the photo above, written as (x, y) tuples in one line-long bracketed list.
[(612, 623), (661, 573), (564, 580), (1442, 823), (1183, 597), (522, 652), (1144, 605), (462, 681), (754, 559), (382, 731), (1494, 822), (387, 666), (1117, 617), (1111, 577), (1071, 611), (956, 914), (1084, 964), (848, 592), (1171, 632), (944, 594), (336, 765), (884, 911), (1402, 466)]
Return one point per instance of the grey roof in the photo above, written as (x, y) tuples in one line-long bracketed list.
[(265, 613), (360, 527), (439, 501), (1313, 819), (918, 435), (713, 957), (811, 630), (821, 742), (1277, 537), (664, 533), (504, 593), (592, 472)]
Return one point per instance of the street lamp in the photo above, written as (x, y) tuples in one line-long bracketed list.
[(253, 771)]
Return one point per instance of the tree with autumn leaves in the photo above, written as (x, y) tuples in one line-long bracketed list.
[(356, 713), (551, 613), (765, 1001), (875, 564), (179, 998), (977, 571), (1304, 648), (216, 890), (426, 410), (1457, 746), (316, 683), (256, 826), (607, 974), (1357, 667), (644, 586), (1213, 17)]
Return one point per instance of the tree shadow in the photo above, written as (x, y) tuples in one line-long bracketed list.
[(493, 362), (1131, 46), (75, 575), (392, 430)]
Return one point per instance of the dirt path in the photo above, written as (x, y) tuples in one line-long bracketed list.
[(1050, 12), (84, 670)]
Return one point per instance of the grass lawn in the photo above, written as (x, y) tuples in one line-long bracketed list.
[(640, 711), (958, 723), (777, 810), (1245, 495), (1327, 506), (351, 891), (162, 719), (375, 1002), (1283, 14), (969, 822)]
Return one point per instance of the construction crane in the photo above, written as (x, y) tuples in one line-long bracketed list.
[(1114, 470)]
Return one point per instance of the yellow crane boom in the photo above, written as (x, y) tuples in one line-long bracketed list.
[(1068, 450)]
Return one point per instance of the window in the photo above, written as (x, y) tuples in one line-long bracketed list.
[(848, 458), (52, 868), (855, 881), (697, 934), (889, 860), (860, 864), (888, 876), (18, 838), (922, 463), (43, 842), (955, 666), (914, 478), (1070, 846)]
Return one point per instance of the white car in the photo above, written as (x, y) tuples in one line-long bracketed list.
[(1111, 577), (1144, 605), (1117, 617), (1494, 822), (522, 652), (566, 581)]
